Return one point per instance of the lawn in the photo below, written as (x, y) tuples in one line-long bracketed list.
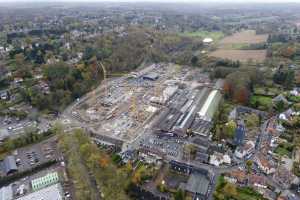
[(284, 149), (261, 102), (226, 190), (216, 36), (295, 99), (267, 91), (281, 151)]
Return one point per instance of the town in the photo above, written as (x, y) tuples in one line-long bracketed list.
[(149, 101)]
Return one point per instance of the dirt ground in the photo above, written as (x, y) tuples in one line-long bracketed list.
[(241, 55), (246, 37)]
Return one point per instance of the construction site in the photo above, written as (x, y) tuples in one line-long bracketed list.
[(159, 98)]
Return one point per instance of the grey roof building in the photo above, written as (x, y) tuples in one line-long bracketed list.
[(9, 165), (197, 183), (240, 133), (152, 76), (279, 98), (53, 192), (3, 134)]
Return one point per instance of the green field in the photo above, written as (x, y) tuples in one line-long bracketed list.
[(261, 102), (216, 36)]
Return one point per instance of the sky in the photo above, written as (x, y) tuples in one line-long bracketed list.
[(163, 1)]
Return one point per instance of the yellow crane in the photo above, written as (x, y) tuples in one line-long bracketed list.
[(104, 77)]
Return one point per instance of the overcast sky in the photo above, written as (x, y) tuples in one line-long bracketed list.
[(164, 1)]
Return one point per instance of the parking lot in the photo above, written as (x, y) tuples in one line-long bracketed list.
[(172, 147), (29, 157)]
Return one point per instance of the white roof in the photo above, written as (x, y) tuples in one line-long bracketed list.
[(6, 193), (204, 112), (208, 40), (53, 192)]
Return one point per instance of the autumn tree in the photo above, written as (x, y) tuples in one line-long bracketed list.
[(230, 190), (241, 95)]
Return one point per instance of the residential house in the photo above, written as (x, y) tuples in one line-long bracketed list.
[(237, 176), (218, 159), (247, 149), (4, 95), (257, 181), (295, 92), (286, 115), (285, 177), (280, 98), (264, 165), (18, 80)]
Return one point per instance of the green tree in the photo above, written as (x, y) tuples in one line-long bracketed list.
[(230, 128), (249, 164), (179, 195), (252, 120)]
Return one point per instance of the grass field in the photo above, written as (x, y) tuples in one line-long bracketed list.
[(216, 36)]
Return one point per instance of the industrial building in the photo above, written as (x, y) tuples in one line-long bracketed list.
[(210, 106), (3, 134), (189, 111), (6, 193), (9, 165), (53, 192)]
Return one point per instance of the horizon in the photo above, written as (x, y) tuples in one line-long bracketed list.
[(158, 1)]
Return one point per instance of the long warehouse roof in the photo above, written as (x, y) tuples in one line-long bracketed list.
[(208, 109)]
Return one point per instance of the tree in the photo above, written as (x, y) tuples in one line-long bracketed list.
[(230, 190), (227, 88), (104, 161), (249, 164), (20, 59), (252, 120), (279, 106), (241, 95), (194, 60), (179, 195), (230, 128)]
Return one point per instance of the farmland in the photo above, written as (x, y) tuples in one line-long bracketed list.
[(241, 55), (244, 37), (231, 47)]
